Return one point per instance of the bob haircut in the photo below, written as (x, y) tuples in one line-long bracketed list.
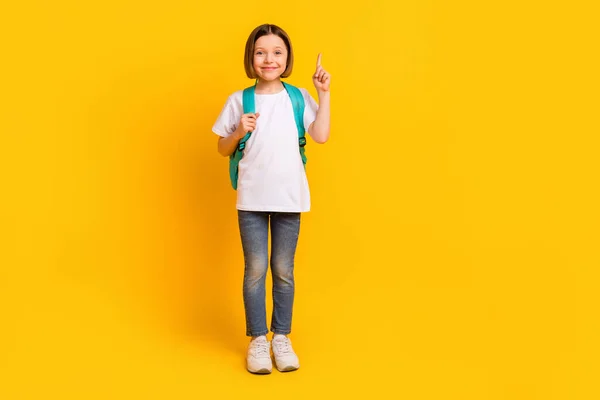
[(263, 30)]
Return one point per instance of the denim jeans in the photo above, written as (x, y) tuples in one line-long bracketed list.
[(254, 231)]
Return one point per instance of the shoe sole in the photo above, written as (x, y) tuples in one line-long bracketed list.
[(262, 371), (288, 368)]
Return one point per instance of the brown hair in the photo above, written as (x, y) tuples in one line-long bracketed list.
[(263, 30)]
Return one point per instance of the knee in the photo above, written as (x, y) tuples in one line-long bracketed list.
[(256, 269), (283, 274)]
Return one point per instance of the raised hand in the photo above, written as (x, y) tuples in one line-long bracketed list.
[(321, 78)]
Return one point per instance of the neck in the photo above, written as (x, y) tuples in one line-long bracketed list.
[(266, 87)]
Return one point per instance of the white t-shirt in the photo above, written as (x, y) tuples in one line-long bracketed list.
[(271, 174)]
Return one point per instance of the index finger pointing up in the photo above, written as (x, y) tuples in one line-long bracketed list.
[(319, 60)]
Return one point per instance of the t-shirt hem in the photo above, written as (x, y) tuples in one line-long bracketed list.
[(271, 209)]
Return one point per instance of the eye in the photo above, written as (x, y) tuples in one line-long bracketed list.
[(259, 53), (278, 53)]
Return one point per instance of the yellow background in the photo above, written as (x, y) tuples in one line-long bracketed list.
[(452, 248)]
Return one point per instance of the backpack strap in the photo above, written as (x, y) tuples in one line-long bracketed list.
[(298, 106), (249, 107), (236, 156)]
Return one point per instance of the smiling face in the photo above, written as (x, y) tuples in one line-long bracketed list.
[(270, 57), (268, 54)]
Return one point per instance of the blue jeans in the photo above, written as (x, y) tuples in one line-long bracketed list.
[(254, 230)]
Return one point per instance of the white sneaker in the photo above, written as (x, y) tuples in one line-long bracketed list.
[(258, 360), (285, 358)]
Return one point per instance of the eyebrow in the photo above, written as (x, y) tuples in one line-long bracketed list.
[(262, 48)]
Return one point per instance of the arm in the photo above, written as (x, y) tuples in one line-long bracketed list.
[(319, 129), (227, 145)]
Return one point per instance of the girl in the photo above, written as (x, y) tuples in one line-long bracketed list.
[(272, 188)]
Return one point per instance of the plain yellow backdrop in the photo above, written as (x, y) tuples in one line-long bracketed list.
[(451, 251)]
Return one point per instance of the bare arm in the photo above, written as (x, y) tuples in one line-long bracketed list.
[(227, 145), (319, 129)]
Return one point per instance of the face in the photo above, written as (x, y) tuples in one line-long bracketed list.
[(270, 57)]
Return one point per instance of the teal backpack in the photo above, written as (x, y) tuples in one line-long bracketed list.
[(248, 105)]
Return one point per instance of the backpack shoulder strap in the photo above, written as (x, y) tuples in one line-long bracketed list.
[(298, 105), (249, 107), (248, 100), (235, 157)]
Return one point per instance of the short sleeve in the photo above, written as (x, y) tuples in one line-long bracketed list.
[(310, 109), (228, 119)]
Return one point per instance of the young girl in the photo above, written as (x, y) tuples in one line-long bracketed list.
[(272, 189)]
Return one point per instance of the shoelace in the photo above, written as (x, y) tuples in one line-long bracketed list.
[(283, 346), (261, 349)]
